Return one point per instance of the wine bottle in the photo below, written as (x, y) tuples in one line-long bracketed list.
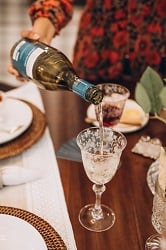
[(50, 69)]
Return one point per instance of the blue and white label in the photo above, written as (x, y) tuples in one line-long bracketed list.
[(24, 56), (80, 87)]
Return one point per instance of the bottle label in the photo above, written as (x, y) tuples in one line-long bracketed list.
[(80, 87), (24, 56)]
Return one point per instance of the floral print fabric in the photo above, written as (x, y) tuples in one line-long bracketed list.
[(116, 39), (59, 12)]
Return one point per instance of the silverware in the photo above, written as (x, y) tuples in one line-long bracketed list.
[(11, 130)]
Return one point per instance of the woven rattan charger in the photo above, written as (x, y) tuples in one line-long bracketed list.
[(51, 237), (29, 137)]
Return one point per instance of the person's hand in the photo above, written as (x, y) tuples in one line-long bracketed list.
[(42, 30), (30, 34)]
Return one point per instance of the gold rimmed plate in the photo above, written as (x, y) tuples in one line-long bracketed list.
[(30, 136), (34, 230), (15, 117)]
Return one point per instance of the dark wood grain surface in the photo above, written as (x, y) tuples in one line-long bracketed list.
[(128, 193)]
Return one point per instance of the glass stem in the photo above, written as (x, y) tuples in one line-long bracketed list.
[(97, 211)]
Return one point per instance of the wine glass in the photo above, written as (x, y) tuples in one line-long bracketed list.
[(111, 108), (158, 219), (100, 156)]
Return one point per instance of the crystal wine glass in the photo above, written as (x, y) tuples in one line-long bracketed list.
[(100, 156), (113, 103), (158, 220)]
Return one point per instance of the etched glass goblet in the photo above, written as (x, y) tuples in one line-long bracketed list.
[(158, 220), (100, 156)]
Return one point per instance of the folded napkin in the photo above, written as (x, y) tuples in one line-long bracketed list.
[(15, 175), (70, 151)]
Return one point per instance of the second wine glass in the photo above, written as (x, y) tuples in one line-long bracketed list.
[(100, 167), (158, 219), (112, 106)]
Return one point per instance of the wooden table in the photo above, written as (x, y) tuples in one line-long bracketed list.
[(128, 193)]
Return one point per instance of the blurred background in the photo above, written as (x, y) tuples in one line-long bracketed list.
[(14, 17)]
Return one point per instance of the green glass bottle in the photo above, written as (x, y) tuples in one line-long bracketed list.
[(50, 69)]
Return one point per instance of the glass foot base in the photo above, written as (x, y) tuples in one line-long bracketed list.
[(153, 242), (91, 223)]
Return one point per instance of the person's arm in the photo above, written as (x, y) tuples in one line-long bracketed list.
[(59, 12), (48, 18), (42, 30)]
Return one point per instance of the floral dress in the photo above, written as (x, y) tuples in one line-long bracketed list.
[(117, 39)]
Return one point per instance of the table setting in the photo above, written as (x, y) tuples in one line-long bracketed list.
[(16, 117), (119, 112), (22, 120), (128, 193), (126, 115), (142, 152), (133, 119), (32, 196)]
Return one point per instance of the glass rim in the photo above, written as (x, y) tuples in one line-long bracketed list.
[(115, 85), (97, 129)]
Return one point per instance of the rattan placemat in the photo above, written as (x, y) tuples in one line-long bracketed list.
[(29, 137), (51, 237)]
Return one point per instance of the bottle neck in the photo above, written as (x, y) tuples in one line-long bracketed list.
[(80, 87), (87, 91)]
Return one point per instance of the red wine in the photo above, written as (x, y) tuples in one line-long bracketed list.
[(111, 114)]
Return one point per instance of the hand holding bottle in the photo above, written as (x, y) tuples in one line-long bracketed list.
[(50, 69), (42, 30), (30, 34)]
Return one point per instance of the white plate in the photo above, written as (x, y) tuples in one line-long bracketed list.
[(152, 175), (124, 128), (17, 234), (14, 113)]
